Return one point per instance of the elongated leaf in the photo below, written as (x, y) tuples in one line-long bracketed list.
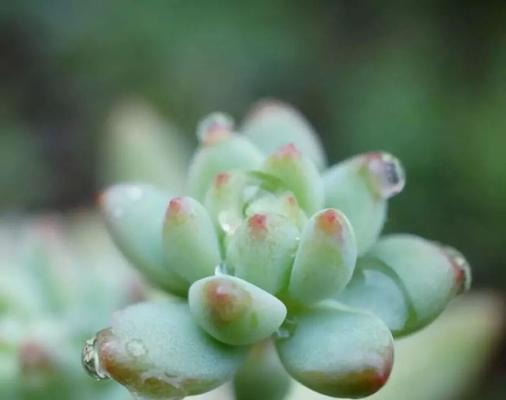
[(262, 250), (360, 187), (299, 175), (189, 239), (272, 124), (134, 215), (235, 311), (325, 258)]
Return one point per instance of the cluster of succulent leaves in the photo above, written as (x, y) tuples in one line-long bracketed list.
[(59, 276), (270, 250)]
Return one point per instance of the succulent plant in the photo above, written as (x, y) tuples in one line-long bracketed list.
[(269, 253), (59, 276)]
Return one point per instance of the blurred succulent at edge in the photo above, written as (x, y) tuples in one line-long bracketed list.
[(59, 277), (269, 252)]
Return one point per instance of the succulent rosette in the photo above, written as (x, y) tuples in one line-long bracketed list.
[(269, 254)]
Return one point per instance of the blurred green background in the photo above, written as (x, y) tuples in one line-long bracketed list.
[(423, 80)]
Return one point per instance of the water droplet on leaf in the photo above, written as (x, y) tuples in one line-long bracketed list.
[(91, 360), (136, 348)]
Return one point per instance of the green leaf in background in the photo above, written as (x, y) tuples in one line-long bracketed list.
[(140, 146)]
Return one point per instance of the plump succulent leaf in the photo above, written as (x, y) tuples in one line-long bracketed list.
[(338, 351), (157, 351), (284, 204), (447, 358), (134, 215), (220, 150), (299, 175), (262, 376), (262, 249), (272, 124), (408, 281), (235, 311), (189, 239), (225, 200), (374, 287), (325, 258), (360, 187)]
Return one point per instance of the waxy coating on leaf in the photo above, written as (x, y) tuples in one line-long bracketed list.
[(377, 289), (428, 275), (262, 376), (189, 239), (225, 200), (134, 215), (299, 176), (360, 187), (325, 258), (226, 152), (285, 204), (235, 311), (157, 351), (338, 351), (272, 124), (262, 249)]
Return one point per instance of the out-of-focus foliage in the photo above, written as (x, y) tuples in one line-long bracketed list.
[(59, 280)]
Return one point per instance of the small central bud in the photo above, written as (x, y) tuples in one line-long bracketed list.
[(214, 128), (288, 151)]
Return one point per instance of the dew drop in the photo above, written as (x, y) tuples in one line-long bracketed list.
[(159, 386), (460, 267), (222, 269), (387, 174), (228, 221), (136, 348), (91, 361), (287, 329)]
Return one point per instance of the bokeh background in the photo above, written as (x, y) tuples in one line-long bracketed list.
[(423, 80)]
